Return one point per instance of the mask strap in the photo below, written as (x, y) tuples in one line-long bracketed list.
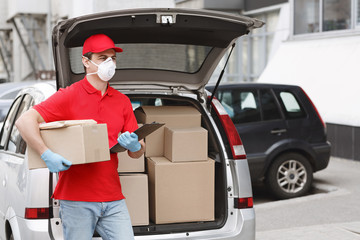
[(92, 63)]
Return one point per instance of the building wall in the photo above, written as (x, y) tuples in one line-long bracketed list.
[(193, 4), (325, 63), (345, 141), (256, 4), (47, 13)]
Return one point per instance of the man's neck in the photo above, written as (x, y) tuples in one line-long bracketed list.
[(97, 83)]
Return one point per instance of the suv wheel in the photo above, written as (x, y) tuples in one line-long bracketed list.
[(289, 176)]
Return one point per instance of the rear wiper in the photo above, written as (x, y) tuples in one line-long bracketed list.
[(220, 77)]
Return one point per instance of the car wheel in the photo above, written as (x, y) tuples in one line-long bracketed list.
[(289, 176)]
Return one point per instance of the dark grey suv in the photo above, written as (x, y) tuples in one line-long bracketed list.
[(282, 132)]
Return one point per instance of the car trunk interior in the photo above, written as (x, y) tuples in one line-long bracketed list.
[(214, 152)]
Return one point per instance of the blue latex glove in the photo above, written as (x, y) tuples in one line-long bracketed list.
[(55, 162), (129, 141)]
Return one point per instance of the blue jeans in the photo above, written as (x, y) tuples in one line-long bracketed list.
[(110, 219)]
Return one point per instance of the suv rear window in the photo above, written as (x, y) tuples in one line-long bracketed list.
[(171, 57), (292, 107)]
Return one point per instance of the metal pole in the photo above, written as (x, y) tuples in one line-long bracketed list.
[(26, 50), (49, 32), (5, 65), (4, 60), (32, 41)]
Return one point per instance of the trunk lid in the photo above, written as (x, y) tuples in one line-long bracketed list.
[(164, 48)]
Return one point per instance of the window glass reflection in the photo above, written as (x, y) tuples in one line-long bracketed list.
[(337, 15), (306, 16)]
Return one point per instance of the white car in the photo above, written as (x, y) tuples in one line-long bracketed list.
[(8, 92), (169, 56)]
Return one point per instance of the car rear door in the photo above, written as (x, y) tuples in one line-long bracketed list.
[(258, 120), (6, 168)]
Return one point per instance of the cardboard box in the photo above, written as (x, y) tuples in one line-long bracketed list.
[(172, 116), (79, 142), (186, 144), (130, 165), (135, 190), (180, 192)]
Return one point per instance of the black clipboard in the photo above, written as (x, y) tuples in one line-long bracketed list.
[(142, 132)]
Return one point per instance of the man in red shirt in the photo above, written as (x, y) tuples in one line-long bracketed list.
[(90, 194)]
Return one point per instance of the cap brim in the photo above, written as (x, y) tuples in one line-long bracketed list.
[(117, 49)]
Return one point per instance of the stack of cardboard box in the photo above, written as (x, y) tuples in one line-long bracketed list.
[(134, 186), (181, 177), (178, 183)]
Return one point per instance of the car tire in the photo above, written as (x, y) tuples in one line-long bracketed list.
[(289, 176)]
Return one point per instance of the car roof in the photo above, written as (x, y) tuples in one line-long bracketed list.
[(8, 87), (253, 85)]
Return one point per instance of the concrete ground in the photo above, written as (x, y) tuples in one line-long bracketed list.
[(331, 212)]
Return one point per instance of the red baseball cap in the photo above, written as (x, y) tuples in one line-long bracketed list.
[(99, 43)]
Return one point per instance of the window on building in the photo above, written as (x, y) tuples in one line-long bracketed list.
[(312, 16), (306, 16), (337, 15)]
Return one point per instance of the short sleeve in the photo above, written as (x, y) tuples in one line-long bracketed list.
[(130, 123), (56, 107)]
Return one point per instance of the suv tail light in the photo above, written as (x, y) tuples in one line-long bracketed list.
[(37, 213), (241, 203), (317, 112), (233, 137)]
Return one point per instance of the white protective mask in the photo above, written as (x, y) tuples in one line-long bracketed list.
[(106, 69)]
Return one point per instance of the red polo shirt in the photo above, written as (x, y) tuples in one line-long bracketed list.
[(93, 182)]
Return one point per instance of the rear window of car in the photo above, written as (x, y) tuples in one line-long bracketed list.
[(291, 105), (170, 57)]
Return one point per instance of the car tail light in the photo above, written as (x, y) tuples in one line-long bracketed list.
[(233, 137), (317, 112), (241, 203), (37, 213)]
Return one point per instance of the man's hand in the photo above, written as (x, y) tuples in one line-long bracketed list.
[(129, 141), (55, 162)]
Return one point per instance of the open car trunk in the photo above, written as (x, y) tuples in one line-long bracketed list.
[(213, 152), (169, 56)]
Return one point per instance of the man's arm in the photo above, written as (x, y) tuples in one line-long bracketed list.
[(28, 126)]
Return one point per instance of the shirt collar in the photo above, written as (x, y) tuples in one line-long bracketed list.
[(90, 88)]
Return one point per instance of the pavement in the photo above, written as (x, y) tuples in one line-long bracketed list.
[(332, 212), (339, 231)]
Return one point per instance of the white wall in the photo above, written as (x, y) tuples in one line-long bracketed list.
[(194, 4), (81, 7), (327, 69), (27, 6)]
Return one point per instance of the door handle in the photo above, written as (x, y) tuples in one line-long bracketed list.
[(278, 131)]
